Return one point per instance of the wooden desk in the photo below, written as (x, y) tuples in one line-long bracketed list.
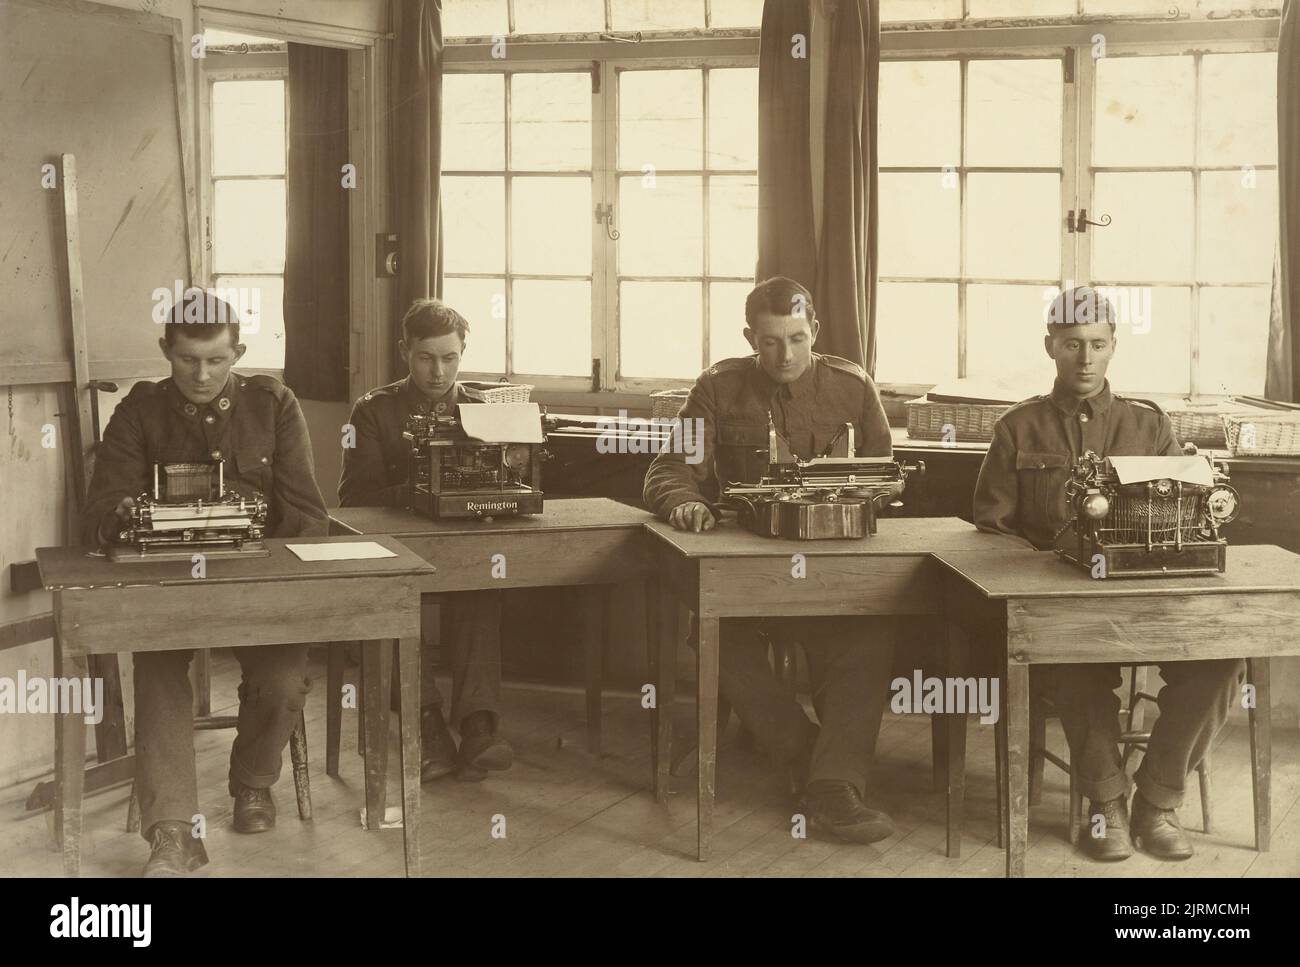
[(1045, 611), (102, 608), (574, 542), (731, 573)]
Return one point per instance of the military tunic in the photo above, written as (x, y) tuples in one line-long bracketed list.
[(256, 426), (1021, 493)]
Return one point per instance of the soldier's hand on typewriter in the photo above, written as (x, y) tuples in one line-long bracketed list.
[(692, 516), (115, 520)]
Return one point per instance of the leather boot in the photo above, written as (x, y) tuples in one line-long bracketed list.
[(835, 807), (437, 747), (1114, 842), (1158, 832), (174, 850), (254, 809)]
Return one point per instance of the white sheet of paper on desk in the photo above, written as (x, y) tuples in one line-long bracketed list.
[(502, 422), (341, 551), (1193, 470)]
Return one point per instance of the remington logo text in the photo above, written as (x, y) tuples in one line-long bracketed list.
[(70, 696), (75, 920), (621, 434), (959, 696), (477, 505)]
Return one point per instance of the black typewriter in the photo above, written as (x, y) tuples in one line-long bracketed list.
[(1147, 516), (836, 495), (190, 511), (454, 474)]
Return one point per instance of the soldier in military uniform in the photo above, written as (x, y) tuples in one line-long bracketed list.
[(205, 413), (809, 398), (1021, 493), (375, 473)]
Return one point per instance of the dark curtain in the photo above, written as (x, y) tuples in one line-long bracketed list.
[(786, 243), (416, 124), (316, 305), (1284, 340)]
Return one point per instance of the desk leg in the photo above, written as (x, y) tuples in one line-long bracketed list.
[(377, 672), (706, 712), (70, 764), (1261, 749), (956, 666), (333, 705), (1016, 684), (595, 610), (408, 672), (665, 686)]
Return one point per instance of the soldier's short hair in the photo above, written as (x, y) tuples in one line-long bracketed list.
[(1081, 305), (780, 297), (202, 314), (432, 317)]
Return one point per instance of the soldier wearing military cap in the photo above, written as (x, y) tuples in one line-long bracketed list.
[(1021, 493), (809, 397), (375, 474), (205, 413)]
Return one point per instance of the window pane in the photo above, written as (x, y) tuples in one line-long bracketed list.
[(559, 16), (920, 113), (916, 338), (733, 226), (550, 122), (248, 128), (552, 328), (660, 120), (1014, 112), (727, 320), (1238, 226), (660, 329), (733, 118), (1144, 111), (920, 10), (656, 14), (736, 13), (260, 304), (1151, 236), (1156, 361), (919, 225), (1239, 109), (1127, 6), (1021, 8), (1013, 226), (661, 227), (483, 303), (249, 226), (474, 18), (1004, 333), (1234, 339), (474, 220), (474, 111), (551, 226)]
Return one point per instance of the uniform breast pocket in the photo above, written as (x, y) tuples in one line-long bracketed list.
[(254, 465), (1042, 477), (742, 452)]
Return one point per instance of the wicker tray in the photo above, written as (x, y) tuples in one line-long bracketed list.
[(966, 422), (1204, 425), (502, 392), (1263, 434), (665, 403)]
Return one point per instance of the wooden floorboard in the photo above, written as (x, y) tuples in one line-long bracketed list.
[(569, 813)]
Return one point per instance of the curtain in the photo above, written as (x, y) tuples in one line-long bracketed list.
[(416, 124), (1283, 338), (316, 305)]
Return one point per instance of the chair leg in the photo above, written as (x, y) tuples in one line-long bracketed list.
[(133, 812), (1203, 773), (1000, 768), (298, 757), (1261, 749), (939, 752), (1037, 761), (1076, 809), (333, 705)]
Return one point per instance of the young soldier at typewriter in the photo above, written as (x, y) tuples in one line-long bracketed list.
[(1021, 492), (204, 413), (809, 397), (375, 474)]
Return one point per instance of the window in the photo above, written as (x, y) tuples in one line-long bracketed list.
[(491, 18)]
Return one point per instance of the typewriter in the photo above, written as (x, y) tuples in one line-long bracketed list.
[(832, 496), (485, 461), (190, 511), (1147, 516)]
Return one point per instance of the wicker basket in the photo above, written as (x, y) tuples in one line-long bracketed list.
[(961, 422), (1263, 434), (502, 392), (1204, 426), (665, 403)]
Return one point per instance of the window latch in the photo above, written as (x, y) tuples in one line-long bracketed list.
[(605, 216), (1080, 224)]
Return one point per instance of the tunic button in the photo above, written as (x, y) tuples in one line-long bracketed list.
[(190, 409), (266, 460), (442, 407), (216, 454), (209, 419), (1083, 417), (223, 403)]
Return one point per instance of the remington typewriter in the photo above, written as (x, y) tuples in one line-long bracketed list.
[(485, 461), (832, 496), (190, 511), (1147, 516)]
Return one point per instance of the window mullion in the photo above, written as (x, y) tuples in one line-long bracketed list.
[(507, 282), (605, 344), (961, 226), (1085, 77), (1194, 362), (1070, 174)]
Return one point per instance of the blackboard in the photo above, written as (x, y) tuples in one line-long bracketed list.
[(106, 85)]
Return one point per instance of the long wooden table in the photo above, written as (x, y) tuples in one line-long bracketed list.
[(731, 573), (576, 542), (103, 608), (1043, 611)]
